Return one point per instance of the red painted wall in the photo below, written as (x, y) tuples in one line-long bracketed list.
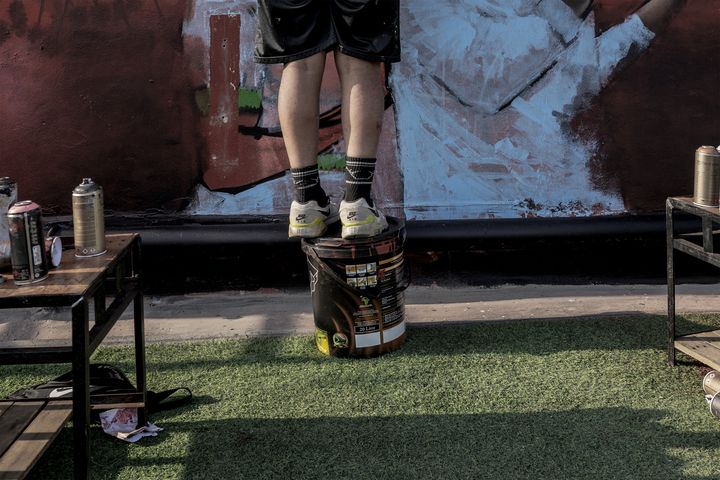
[(658, 109), (96, 88)]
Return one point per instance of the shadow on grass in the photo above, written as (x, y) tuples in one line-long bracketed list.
[(552, 442), (537, 337), (618, 443)]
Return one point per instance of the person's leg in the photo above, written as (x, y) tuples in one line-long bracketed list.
[(298, 108), (363, 103), (362, 113)]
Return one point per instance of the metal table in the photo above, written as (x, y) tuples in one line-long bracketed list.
[(702, 346), (116, 275)]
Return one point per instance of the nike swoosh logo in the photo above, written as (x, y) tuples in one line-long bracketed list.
[(60, 392)]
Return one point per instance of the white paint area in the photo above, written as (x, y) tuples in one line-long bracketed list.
[(483, 108), (393, 333), (367, 340), (484, 95)]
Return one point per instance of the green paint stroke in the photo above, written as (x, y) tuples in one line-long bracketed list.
[(330, 161), (249, 99)]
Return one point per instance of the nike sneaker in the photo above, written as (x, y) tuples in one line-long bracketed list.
[(360, 220), (310, 220)]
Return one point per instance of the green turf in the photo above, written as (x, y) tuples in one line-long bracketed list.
[(537, 400)]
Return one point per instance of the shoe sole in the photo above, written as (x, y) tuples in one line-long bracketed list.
[(363, 231), (311, 231)]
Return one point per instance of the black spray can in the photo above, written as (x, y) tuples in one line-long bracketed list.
[(27, 244), (88, 219)]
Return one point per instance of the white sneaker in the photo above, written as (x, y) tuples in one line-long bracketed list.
[(310, 220), (360, 220)]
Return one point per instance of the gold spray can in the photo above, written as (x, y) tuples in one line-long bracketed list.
[(711, 383), (707, 177), (88, 219)]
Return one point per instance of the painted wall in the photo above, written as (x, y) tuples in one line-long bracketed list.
[(503, 108)]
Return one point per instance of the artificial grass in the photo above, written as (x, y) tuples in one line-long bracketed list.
[(591, 398)]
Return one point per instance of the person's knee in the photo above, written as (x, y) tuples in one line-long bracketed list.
[(352, 66), (307, 65)]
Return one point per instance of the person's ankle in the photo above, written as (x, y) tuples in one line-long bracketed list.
[(315, 193)]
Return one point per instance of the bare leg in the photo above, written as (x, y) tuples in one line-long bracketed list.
[(298, 107), (362, 104), (362, 114)]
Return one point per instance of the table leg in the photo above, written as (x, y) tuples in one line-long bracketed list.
[(139, 324), (140, 354), (707, 233), (81, 387), (670, 236)]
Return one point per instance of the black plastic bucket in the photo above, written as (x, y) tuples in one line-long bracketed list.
[(357, 291)]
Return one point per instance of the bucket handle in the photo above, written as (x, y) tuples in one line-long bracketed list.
[(402, 284)]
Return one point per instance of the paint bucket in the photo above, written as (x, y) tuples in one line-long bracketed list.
[(357, 289), (707, 177), (711, 382)]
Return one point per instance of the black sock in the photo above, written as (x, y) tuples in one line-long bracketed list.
[(307, 185), (359, 173)]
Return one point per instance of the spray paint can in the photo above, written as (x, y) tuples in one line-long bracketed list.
[(27, 244), (711, 383), (707, 177), (88, 219), (53, 251), (714, 404), (8, 196)]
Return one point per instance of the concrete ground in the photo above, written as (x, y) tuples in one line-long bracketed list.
[(273, 312)]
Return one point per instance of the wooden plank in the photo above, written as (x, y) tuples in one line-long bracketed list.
[(234, 158), (34, 441), (74, 276), (4, 406), (696, 251), (116, 400), (704, 347), (686, 205), (14, 421)]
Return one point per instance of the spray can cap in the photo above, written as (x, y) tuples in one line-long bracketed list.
[(87, 186)]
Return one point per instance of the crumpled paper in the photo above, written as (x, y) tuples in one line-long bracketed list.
[(121, 423)]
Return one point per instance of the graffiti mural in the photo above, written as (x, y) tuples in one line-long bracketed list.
[(491, 100), (241, 125), (486, 100), (499, 108)]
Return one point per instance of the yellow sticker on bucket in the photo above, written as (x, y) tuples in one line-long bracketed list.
[(322, 342)]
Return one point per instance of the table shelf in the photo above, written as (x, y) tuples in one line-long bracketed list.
[(702, 346), (76, 284)]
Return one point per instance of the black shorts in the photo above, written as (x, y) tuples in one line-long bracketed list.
[(289, 30)]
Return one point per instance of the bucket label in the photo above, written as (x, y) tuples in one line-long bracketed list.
[(362, 275), (340, 340), (392, 317), (321, 340), (366, 327)]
